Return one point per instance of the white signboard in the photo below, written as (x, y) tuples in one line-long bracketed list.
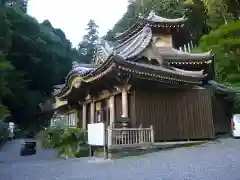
[(96, 134)]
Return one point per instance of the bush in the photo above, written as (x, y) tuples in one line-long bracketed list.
[(52, 137), (70, 142), (3, 132), (19, 133)]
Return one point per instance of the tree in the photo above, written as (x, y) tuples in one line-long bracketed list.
[(225, 42), (234, 7), (196, 12), (33, 58), (5, 65), (165, 8), (19, 4), (218, 11), (5, 68), (87, 47)]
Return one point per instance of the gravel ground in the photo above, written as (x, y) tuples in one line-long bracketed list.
[(211, 161)]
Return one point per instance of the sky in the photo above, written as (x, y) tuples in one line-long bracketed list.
[(72, 16)]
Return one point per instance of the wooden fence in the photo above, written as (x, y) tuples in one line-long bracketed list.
[(129, 137)]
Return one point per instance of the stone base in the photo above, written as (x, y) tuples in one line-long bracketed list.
[(123, 152), (141, 150)]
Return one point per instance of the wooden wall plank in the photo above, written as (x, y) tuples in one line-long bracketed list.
[(221, 121), (176, 114)]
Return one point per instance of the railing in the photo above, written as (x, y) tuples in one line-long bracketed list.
[(129, 137)]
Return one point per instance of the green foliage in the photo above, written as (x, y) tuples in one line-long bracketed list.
[(19, 5), (20, 133), (234, 7), (196, 12), (165, 8), (73, 143), (235, 99), (225, 42), (70, 142), (218, 13), (52, 137), (33, 58), (4, 112), (208, 14), (87, 47), (3, 132), (5, 65)]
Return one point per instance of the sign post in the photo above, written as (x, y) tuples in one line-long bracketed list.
[(96, 137)]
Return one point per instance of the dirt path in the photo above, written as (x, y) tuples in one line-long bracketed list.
[(10, 152), (210, 161)]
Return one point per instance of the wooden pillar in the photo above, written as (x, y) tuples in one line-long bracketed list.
[(92, 112), (124, 91), (84, 116), (124, 102), (111, 105), (98, 111), (191, 44), (185, 48), (189, 47)]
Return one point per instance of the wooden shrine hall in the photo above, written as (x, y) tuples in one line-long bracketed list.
[(146, 80)]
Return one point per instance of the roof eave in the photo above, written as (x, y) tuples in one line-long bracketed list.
[(145, 71), (190, 59), (81, 80), (129, 30)]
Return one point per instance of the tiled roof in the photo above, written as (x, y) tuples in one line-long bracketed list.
[(134, 46), (158, 19), (152, 20), (81, 69)]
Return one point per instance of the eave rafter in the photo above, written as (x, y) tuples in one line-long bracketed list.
[(191, 62), (165, 79), (172, 75)]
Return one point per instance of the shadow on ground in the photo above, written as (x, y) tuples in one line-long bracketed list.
[(10, 153)]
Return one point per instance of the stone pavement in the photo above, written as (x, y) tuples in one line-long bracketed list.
[(210, 161), (10, 153)]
